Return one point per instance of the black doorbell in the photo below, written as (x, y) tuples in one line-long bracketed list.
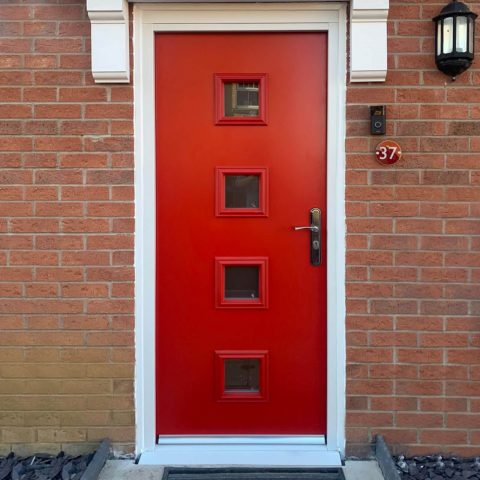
[(377, 120)]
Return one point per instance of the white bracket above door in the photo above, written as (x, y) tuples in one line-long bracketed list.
[(110, 37), (368, 40)]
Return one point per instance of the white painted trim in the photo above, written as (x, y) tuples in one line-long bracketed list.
[(149, 18), (368, 40), (110, 38)]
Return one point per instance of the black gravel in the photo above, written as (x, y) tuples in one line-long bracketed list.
[(437, 467), (44, 466)]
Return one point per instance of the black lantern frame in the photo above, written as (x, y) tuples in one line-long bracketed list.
[(454, 38)]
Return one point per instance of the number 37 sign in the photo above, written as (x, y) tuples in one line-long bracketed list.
[(388, 152)]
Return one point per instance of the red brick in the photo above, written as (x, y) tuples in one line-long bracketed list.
[(110, 209), (15, 144), (58, 78), (441, 307), (83, 128), (444, 274), (443, 243), (86, 94), (435, 144), (33, 258), (56, 242), (58, 143), (443, 210), (58, 111), (418, 226), (75, 61), (369, 225), (15, 45), (36, 28), (122, 160), (369, 419), (85, 258), (74, 29), (85, 225), (393, 209), (108, 144), (426, 388), (111, 274), (40, 61), (444, 111), (465, 259), (41, 193), (41, 290), (10, 94), (72, 274), (110, 111), (58, 12), (85, 291), (35, 226), (443, 339), (445, 178), (56, 177), (470, 227), (84, 193), (419, 193), (420, 356), (110, 242), (123, 225), (39, 306), (58, 45), (369, 258), (11, 160), (421, 420), (108, 177)]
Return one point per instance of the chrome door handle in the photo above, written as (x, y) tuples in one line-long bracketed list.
[(312, 228), (315, 236)]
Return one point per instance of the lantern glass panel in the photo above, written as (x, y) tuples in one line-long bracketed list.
[(462, 36), (448, 35), (471, 30), (439, 38)]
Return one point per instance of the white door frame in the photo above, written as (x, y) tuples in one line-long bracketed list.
[(274, 450)]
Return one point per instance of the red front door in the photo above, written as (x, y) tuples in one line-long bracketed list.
[(241, 296)]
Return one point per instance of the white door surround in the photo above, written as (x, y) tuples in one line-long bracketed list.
[(245, 450)]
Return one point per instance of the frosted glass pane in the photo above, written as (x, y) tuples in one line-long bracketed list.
[(439, 39), (448, 35), (471, 29), (461, 43)]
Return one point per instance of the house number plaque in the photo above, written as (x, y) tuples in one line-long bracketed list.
[(388, 152)]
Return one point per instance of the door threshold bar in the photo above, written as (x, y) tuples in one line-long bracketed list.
[(241, 440), (258, 450)]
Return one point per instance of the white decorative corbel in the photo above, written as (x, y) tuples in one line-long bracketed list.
[(110, 55), (368, 40)]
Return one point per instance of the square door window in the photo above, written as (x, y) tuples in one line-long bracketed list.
[(241, 282), (241, 375), (241, 191), (240, 99)]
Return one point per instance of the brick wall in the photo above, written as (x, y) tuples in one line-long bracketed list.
[(66, 236), (413, 259), (66, 243)]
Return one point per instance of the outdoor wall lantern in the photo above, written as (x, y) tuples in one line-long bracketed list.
[(454, 38)]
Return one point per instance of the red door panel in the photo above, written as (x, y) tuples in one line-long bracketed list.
[(241, 311)]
